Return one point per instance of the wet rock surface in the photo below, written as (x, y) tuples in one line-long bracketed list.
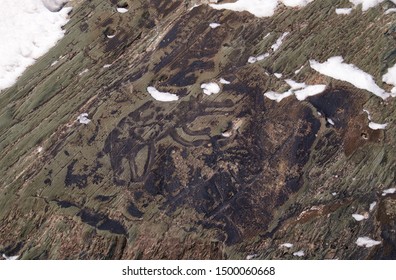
[(162, 180)]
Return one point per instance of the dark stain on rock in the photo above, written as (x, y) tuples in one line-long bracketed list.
[(134, 211), (101, 222)]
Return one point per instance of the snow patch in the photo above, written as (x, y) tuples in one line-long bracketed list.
[(366, 242), (83, 118), (259, 8), (162, 96), (390, 78), (302, 94), (343, 11), (83, 72), (388, 191), (276, 96), (10, 258), (372, 206), (224, 81), (299, 253), (366, 4), (107, 65), (336, 68), (377, 126), (122, 10), (279, 42), (359, 217), (389, 11), (294, 85), (210, 88), (286, 245), (54, 5), (330, 121), (278, 75), (214, 25), (28, 29)]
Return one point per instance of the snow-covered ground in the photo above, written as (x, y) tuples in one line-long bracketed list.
[(366, 4), (161, 96), (300, 90), (28, 29), (210, 88), (366, 242), (343, 11), (336, 68), (260, 8)]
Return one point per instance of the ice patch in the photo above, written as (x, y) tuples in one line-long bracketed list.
[(210, 88), (214, 25), (83, 118), (388, 191), (27, 31), (336, 68), (299, 253), (343, 11), (162, 96), (366, 242)]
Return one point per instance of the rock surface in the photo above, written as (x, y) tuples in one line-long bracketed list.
[(146, 179)]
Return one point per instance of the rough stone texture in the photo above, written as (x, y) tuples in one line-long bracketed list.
[(152, 180)]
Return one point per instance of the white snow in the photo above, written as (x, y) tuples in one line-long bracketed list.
[(254, 59), (278, 75), (122, 10), (54, 63), (295, 85), (10, 258), (162, 96), (227, 134), (286, 245), (391, 10), (276, 96), (83, 118), (376, 126), (333, 193), (298, 70), (107, 65), (330, 121), (83, 72), (27, 31), (301, 91), (302, 94), (39, 149), (299, 253), (110, 36), (366, 242), (372, 206), (259, 8), (279, 42), (214, 25), (390, 78), (210, 88), (343, 11), (336, 68), (359, 217), (366, 4), (54, 5), (249, 257), (224, 81), (388, 191)]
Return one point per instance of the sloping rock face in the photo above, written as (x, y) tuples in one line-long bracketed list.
[(205, 177)]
